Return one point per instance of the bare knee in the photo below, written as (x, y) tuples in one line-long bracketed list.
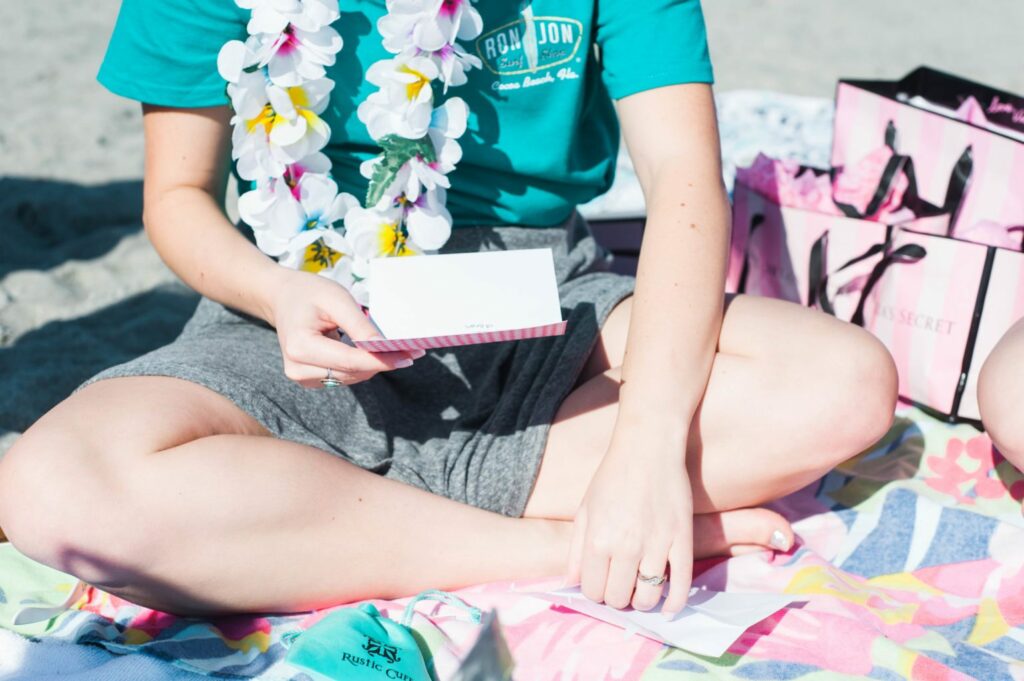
[(858, 384), (1000, 397), (59, 505)]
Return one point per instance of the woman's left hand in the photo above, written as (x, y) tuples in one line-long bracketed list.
[(636, 520)]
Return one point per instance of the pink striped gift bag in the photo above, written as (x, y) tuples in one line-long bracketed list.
[(939, 305), (812, 237), (785, 253), (938, 118), (782, 212), (1004, 305), (771, 246), (849, 257)]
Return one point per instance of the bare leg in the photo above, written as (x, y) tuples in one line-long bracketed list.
[(792, 393), (165, 493), (1001, 395)]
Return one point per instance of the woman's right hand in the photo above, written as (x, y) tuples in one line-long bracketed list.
[(308, 312)]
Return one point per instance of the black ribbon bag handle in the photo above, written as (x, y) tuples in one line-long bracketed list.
[(892, 167), (905, 254), (817, 289), (756, 220), (956, 188)]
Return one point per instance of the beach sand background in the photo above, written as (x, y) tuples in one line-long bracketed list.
[(80, 287)]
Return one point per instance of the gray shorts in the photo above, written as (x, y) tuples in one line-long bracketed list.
[(466, 423)]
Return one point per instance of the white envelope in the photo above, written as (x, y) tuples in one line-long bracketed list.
[(459, 299), (708, 625)]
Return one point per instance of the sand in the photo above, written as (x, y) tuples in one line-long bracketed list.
[(80, 287)]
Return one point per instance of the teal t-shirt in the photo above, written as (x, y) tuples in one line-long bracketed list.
[(542, 137)]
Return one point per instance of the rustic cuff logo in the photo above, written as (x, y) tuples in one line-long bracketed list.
[(378, 649), (529, 44)]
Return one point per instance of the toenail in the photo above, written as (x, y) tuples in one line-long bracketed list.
[(779, 540)]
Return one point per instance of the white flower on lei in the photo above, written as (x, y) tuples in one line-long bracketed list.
[(416, 200), (258, 205), (447, 123), (428, 24), (428, 221), (275, 126), (297, 129), (378, 233), (330, 255), (273, 16), (295, 56), (418, 176), (404, 103), (292, 55), (286, 219), (453, 63)]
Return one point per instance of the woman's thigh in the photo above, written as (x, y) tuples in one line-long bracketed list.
[(75, 450), (136, 415), (792, 392)]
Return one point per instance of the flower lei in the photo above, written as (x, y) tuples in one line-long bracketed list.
[(278, 88)]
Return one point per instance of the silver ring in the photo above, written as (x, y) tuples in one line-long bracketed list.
[(329, 381), (653, 581)]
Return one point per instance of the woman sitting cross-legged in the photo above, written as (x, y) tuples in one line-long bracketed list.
[(222, 473)]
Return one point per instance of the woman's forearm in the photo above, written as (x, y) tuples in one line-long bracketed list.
[(187, 158), (677, 309), (196, 240)]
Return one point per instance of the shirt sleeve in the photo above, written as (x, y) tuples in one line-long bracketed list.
[(651, 43), (164, 52)]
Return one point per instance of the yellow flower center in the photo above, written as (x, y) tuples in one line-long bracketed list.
[(412, 90), (268, 118), (319, 256), (392, 241), (298, 97), (265, 118)]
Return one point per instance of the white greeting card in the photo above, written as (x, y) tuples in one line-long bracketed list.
[(460, 299)]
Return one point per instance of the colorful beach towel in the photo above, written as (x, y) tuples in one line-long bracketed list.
[(910, 564)]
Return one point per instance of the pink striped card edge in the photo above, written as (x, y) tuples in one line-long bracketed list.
[(430, 342)]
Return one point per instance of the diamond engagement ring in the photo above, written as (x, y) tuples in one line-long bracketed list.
[(329, 381), (653, 581)]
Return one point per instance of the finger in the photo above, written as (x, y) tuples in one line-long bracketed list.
[(309, 376), (593, 574), (646, 596), (348, 315), (579, 531), (618, 591), (680, 563), (317, 350)]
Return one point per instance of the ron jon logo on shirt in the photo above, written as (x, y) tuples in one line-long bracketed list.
[(530, 44)]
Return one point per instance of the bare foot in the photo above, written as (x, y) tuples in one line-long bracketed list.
[(744, 530)]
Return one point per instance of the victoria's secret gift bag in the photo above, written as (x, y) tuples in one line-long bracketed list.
[(940, 305), (937, 117), (782, 252), (812, 237)]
